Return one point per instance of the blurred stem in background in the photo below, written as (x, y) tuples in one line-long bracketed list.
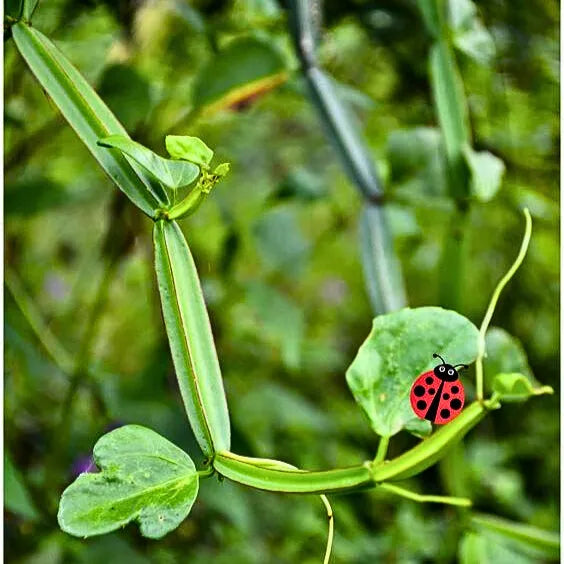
[(452, 113), (117, 242), (382, 268)]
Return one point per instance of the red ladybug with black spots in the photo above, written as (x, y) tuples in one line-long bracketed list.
[(438, 395)]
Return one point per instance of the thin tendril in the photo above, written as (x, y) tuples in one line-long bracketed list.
[(331, 528), (493, 302)]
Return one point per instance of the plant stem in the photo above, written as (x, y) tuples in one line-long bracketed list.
[(331, 520), (276, 476), (383, 275), (50, 343), (91, 330), (382, 450), (423, 498), (206, 472), (493, 302), (451, 265), (429, 451)]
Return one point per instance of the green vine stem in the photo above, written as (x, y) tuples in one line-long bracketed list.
[(493, 302), (423, 498), (382, 449)]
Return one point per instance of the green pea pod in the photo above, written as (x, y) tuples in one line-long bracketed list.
[(253, 472), (191, 340)]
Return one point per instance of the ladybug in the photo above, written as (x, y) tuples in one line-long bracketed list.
[(438, 395)]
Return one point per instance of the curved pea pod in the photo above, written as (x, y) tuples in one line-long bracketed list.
[(276, 476), (190, 338)]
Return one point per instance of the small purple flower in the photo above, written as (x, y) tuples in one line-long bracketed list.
[(84, 463)]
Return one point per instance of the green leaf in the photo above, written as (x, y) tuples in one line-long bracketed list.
[(86, 113), (16, 497), (243, 69), (190, 338), (222, 169), (172, 174), (537, 542), (143, 478), (505, 354), (514, 387), (28, 9), (486, 173), (399, 348), (189, 149), (468, 32), (431, 16), (417, 162)]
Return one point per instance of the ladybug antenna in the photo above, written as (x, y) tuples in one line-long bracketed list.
[(435, 355), (464, 366)]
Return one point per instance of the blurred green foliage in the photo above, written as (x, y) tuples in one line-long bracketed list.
[(278, 252)]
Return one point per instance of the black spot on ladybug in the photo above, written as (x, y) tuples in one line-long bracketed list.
[(421, 404), (419, 391), (446, 396), (456, 403), (432, 391), (455, 389), (445, 413), (429, 380)]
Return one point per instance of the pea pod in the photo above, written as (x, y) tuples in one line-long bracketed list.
[(253, 472), (190, 338)]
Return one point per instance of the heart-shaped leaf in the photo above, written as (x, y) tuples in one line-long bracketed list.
[(469, 34), (143, 477), (399, 348), (517, 387), (486, 171), (189, 149), (172, 174)]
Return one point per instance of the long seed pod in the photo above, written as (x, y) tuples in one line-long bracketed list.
[(87, 114), (191, 340)]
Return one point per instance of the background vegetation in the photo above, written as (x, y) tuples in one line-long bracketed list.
[(277, 247)]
